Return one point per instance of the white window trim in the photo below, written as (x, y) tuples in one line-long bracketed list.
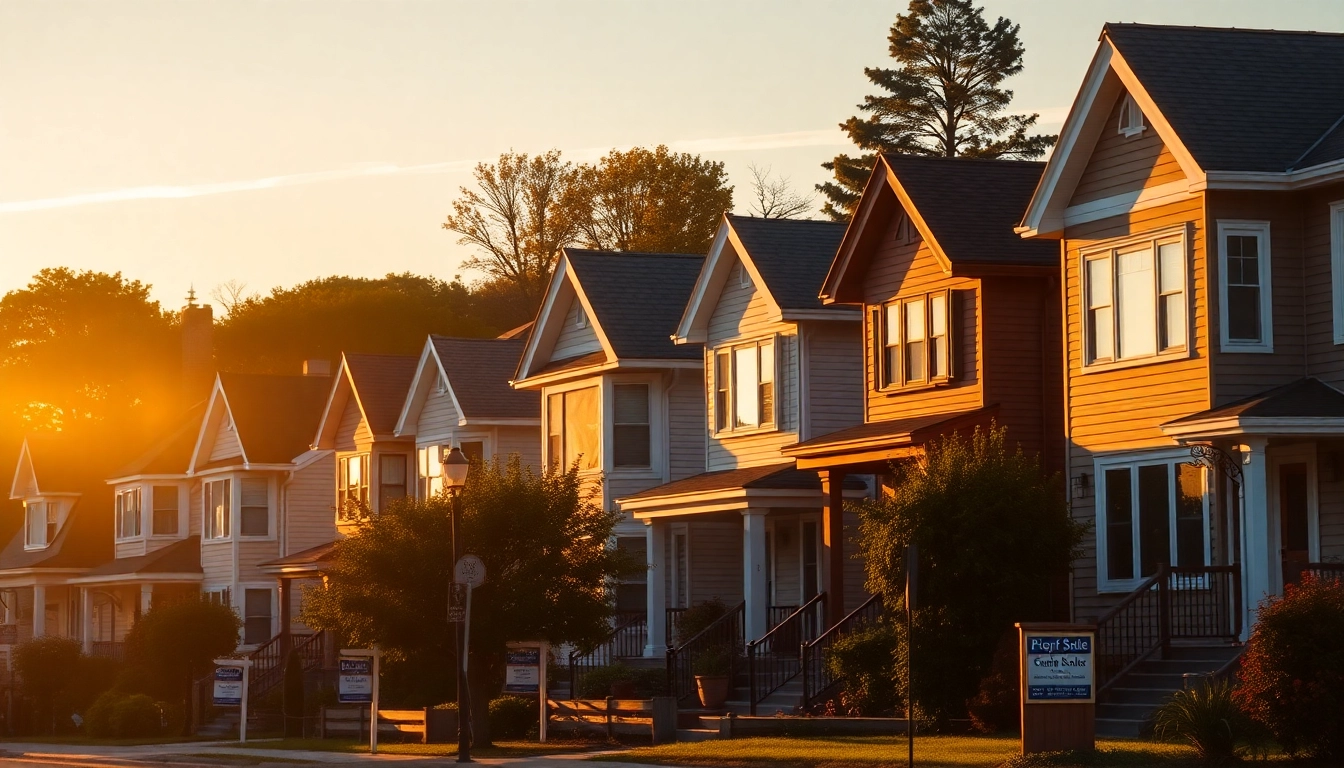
[(1111, 247), (730, 347), (238, 597), (602, 440), (658, 443), (674, 595), (1261, 230), (1135, 459), (116, 518), (880, 343), (272, 509), (207, 513), (743, 277), (1337, 267), (1129, 128), (46, 510), (183, 513)]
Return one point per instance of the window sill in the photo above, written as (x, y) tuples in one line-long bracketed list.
[(1229, 348), (747, 431), (896, 391), (1165, 357), (35, 547), (165, 536), (129, 539)]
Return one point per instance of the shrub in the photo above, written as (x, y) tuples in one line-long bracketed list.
[(1207, 717), (48, 671), (1292, 675), (648, 683), (511, 717), (714, 661), (697, 618), (136, 717), (997, 705), (98, 717), (865, 663)]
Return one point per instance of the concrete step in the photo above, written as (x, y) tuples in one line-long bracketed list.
[(1113, 711), (1119, 728), (1179, 666), (1165, 681), (1222, 651), (697, 734), (1153, 697)]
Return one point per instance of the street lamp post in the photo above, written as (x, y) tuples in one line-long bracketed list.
[(455, 466)]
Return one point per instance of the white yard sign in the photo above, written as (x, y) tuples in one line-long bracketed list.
[(1058, 667)]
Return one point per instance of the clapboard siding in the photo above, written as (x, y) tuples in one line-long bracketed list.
[(523, 441), (756, 448), (1122, 164), (253, 553), (137, 547), (686, 425), (310, 506), (195, 509), (740, 313), (573, 340), (716, 561), (217, 562), (786, 540), (834, 377), (226, 444), (438, 417), (1331, 518), (352, 432), (1325, 359), (1238, 375), (1021, 363)]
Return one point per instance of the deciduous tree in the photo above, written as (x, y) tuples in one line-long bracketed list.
[(173, 645), (944, 97), (774, 198)]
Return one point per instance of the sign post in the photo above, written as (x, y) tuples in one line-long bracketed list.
[(468, 573), (525, 672), (231, 678), (1059, 686), (359, 685)]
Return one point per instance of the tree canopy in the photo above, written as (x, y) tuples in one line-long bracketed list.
[(174, 644), (943, 98)]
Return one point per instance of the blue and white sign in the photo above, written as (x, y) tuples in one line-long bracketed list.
[(228, 686), (1058, 667), (356, 683), (522, 670)]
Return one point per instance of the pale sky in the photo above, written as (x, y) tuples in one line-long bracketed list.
[(186, 142)]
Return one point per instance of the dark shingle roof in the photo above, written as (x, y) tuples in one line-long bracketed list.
[(179, 557), (275, 416), (63, 464), (381, 383), (311, 556), (773, 476), (1241, 99), (639, 298), (1304, 398), (972, 206), (479, 371), (911, 430), (172, 454), (792, 256)]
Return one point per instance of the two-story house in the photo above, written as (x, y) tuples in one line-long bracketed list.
[(617, 395), (778, 367), (1197, 197), (960, 322)]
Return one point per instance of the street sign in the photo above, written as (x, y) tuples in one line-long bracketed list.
[(356, 683), (228, 686), (457, 603), (1057, 667), (470, 571)]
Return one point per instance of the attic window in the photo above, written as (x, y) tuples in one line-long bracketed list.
[(442, 386), (743, 276), (580, 318), (1131, 118)]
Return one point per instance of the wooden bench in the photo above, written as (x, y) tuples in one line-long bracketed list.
[(613, 717), (423, 725)]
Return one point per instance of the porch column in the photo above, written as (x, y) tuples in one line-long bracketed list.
[(655, 539), (86, 619), (39, 610), (755, 588), (286, 590), (1258, 557), (833, 543), (146, 598)]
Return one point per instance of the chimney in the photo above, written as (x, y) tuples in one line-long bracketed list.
[(316, 367), (198, 349)]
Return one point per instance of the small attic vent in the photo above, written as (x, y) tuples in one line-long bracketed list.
[(1131, 118), (442, 386), (580, 318), (743, 276)]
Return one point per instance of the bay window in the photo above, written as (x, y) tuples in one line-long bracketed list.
[(630, 425), (572, 428), (128, 513), (254, 506), (165, 522), (1151, 509), (216, 501), (352, 485), (431, 470), (744, 381), (1245, 306), (1135, 303), (910, 338)]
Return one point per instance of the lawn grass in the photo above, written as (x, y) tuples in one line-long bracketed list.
[(500, 749), (90, 742)]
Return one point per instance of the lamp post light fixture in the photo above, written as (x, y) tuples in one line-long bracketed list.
[(455, 466)]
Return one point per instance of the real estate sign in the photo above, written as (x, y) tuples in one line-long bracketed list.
[(522, 670), (356, 681), (229, 686), (1058, 667)]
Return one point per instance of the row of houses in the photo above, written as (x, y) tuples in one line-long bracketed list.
[(1172, 278)]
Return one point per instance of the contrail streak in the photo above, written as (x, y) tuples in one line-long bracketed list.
[(373, 170)]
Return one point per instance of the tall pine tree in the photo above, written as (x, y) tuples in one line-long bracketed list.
[(942, 99)]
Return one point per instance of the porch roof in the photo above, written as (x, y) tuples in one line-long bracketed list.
[(771, 485), (883, 440), (1307, 406), (179, 561), (309, 560)]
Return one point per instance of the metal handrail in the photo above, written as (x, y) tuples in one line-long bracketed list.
[(607, 650), (728, 628), (787, 632), (816, 681)]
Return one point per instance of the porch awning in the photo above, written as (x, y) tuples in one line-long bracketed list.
[(303, 563), (773, 485), (1305, 407), (881, 441), (179, 562)]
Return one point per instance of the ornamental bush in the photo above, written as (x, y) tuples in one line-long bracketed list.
[(511, 717), (1292, 674), (865, 663)]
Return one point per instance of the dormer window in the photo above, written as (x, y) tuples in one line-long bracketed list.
[(40, 523), (128, 513), (1131, 118)]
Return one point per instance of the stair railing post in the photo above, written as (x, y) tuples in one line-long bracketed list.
[(751, 676), (1164, 608)]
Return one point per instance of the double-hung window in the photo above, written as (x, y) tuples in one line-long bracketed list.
[(744, 386), (1151, 508), (40, 522), (1337, 267), (256, 616), (165, 502), (1135, 304), (391, 478), (254, 506), (910, 338), (431, 470), (630, 425), (216, 502), (1245, 304), (128, 513), (352, 484), (572, 428)]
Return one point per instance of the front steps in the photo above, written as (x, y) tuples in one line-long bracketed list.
[(1125, 708)]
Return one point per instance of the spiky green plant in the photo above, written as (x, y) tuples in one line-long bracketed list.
[(1205, 716)]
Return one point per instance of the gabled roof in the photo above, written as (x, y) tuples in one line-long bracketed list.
[(274, 417), (964, 210), (1237, 109), (786, 258), (171, 455), (1307, 405), (477, 373), (63, 464), (632, 299), (377, 384)]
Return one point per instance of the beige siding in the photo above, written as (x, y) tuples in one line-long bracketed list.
[(740, 313), (310, 514), (1331, 517), (574, 341), (134, 548), (1021, 350), (786, 540), (524, 441), (438, 419), (253, 553), (1121, 164), (217, 562), (226, 445), (194, 511), (686, 425), (716, 561), (834, 377), (352, 431)]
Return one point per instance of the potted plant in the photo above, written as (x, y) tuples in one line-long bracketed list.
[(713, 668)]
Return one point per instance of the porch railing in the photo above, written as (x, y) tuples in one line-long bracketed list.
[(818, 683), (627, 638), (776, 657), (105, 649), (1325, 570), (671, 625), (728, 631), (268, 661), (1201, 602)]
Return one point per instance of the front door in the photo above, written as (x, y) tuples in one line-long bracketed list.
[(1294, 521)]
